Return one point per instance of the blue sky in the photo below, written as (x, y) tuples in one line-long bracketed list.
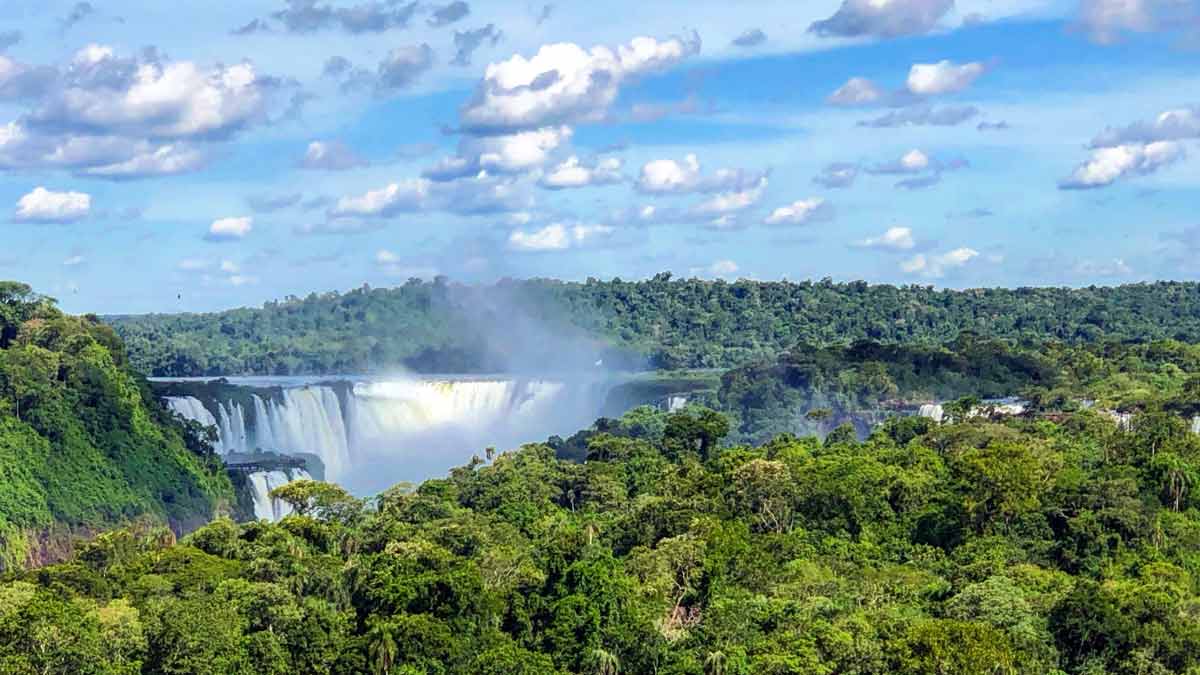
[(186, 157)]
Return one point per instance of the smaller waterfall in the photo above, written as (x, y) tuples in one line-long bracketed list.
[(262, 482), (676, 402), (933, 411), (1196, 424), (191, 408)]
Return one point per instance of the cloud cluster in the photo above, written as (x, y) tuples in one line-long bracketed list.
[(376, 16), (572, 173), (883, 18), (923, 115), (943, 77), (46, 206), (801, 212), (893, 239), (109, 116), (330, 156), (558, 237), (564, 83), (1137, 149), (466, 42), (229, 229), (1107, 21), (921, 170), (939, 265), (669, 176), (750, 38), (837, 175)]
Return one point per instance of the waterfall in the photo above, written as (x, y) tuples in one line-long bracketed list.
[(1196, 424), (376, 433), (676, 402), (933, 411), (262, 482), (192, 408)]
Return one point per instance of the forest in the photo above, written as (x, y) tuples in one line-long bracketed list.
[(660, 323), (1041, 544), (84, 446), (794, 518)]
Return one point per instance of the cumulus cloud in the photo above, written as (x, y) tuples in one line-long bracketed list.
[(403, 66), (938, 266), (307, 16), (750, 38), (669, 176), (479, 195), (506, 154), (883, 18), (943, 77), (558, 237), (148, 161), (726, 203), (721, 269), (445, 15), (22, 81), (74, 260), (1108, 164), (330, 156), (837, 175), (229, 229), (572, 173), (801, 212), (857, 91), (893, 239), (101, 93), (1171, 125), (565, 83), (466, 42), (45, 206), (1106, 21), (923, 115), (913, 161)]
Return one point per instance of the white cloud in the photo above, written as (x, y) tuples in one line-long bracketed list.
[(330, 156), (668, 176), (1171, 125), (913, 162), (230, 229), (177, 99), (565, 83), (1105, 21), (408, 195), (724, 203), (166, 160), (937, 266), (45, 206), (894, 239), (505, 153), (883, 18), (799, 212), (74, 261), (192, 265), (943, 77), (557, 237), (572, 173), (856, 91), (1107, 165)]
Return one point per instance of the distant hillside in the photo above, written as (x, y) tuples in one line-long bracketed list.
[(545, 324), (82, 447)]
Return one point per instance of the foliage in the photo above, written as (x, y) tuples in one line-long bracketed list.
[(663, 322), (83, 445), (1055, 545)]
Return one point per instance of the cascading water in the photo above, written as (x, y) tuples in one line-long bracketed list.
[(262, 482), (373, 434), (933, 411)]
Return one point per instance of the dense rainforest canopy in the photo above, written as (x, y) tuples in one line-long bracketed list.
[(83, 445), (662, 323), (1060, 544)]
